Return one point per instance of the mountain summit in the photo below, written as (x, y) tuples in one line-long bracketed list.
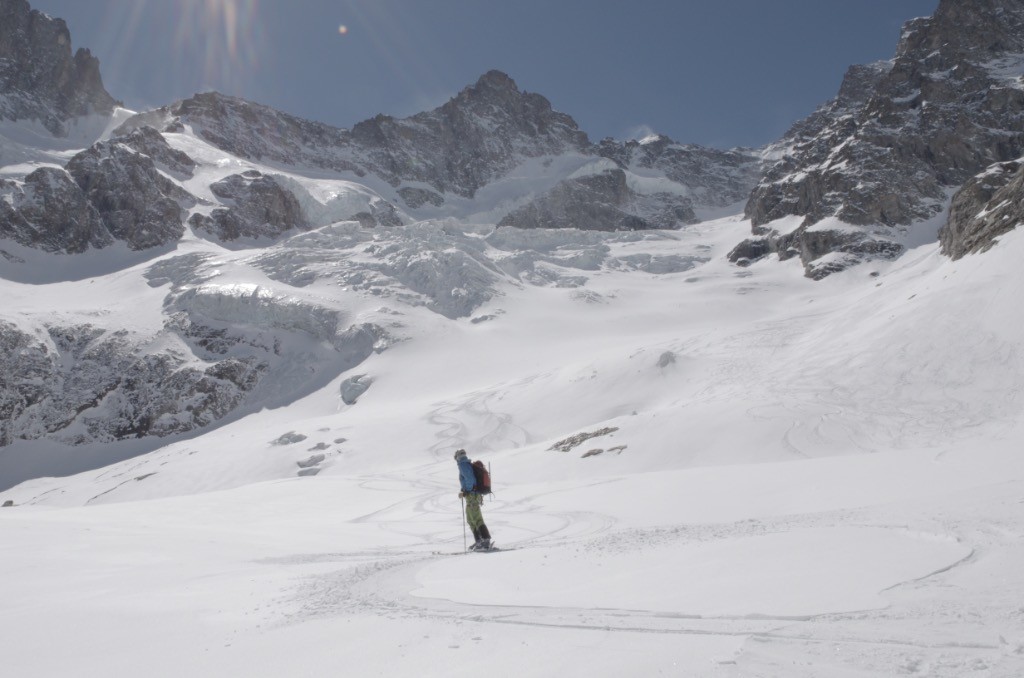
[(477, 136)]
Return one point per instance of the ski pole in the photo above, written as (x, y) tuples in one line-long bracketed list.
[(462, 501)]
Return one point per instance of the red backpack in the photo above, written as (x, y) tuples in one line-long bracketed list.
[(483, 478)]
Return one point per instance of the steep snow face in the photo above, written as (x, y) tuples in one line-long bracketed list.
[(901, 136)]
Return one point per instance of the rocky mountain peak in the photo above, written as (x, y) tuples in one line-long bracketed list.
[(497, 99), (478, 135), (494, 88), (493, 81), (973, 25), (885, 154), (40, 79)]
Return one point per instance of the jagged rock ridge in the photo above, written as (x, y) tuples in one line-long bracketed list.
[(39, 78), (479, 135), (902, 135), (476, 138)]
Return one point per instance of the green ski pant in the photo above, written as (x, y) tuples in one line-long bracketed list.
[(474, 516)]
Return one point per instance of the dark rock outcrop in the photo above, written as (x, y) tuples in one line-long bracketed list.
[(885, 153), (138, 204), (417, 197), (50, 212), (601, 202), (713, 178), (148, 141), (988, 206), (252, 131), (476, 137), (88, 384), (39, 77), (260, 208), (110, 192)]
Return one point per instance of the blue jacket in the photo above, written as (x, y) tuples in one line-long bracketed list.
[(467, 479)]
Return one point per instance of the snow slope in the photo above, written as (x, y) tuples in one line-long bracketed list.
[(805, 479)]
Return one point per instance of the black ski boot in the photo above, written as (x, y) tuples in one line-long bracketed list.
[(485, 539), (476, 538)]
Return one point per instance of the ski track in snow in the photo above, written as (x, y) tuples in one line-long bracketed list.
[(378, 583)]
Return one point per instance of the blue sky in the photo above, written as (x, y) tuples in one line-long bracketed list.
[(715, 72)]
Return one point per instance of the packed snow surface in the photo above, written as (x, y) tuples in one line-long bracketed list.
[(699, 469)]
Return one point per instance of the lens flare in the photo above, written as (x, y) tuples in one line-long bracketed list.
[(226, 35), (343, 30)]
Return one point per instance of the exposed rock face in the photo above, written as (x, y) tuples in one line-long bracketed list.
[(988, 206), (602, 202), (476, 138), (481, 134), (110, 192), (50, 212), (39, 77), (417, 197), (253, 131), (712, 177), (87, 384), (261, 208), (902, 134), (148, 141), (82, 383), (139, 205), (380, 213)]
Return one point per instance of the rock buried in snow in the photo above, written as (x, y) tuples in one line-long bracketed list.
[(289, 438), (312, 461), (667, 358), (353, 387), (593, 453), (580, 438), (311, 471), (8, 504), (318, 447)]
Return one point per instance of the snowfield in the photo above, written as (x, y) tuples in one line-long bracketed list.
[(778, 477)]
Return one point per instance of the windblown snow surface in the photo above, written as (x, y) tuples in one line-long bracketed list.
[(700, 470)]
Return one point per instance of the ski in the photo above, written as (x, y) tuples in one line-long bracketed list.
[(493, 549)]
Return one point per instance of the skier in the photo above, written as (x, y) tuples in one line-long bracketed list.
[(474, 501)]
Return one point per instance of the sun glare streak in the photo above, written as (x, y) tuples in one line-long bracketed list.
[(226, 33)]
